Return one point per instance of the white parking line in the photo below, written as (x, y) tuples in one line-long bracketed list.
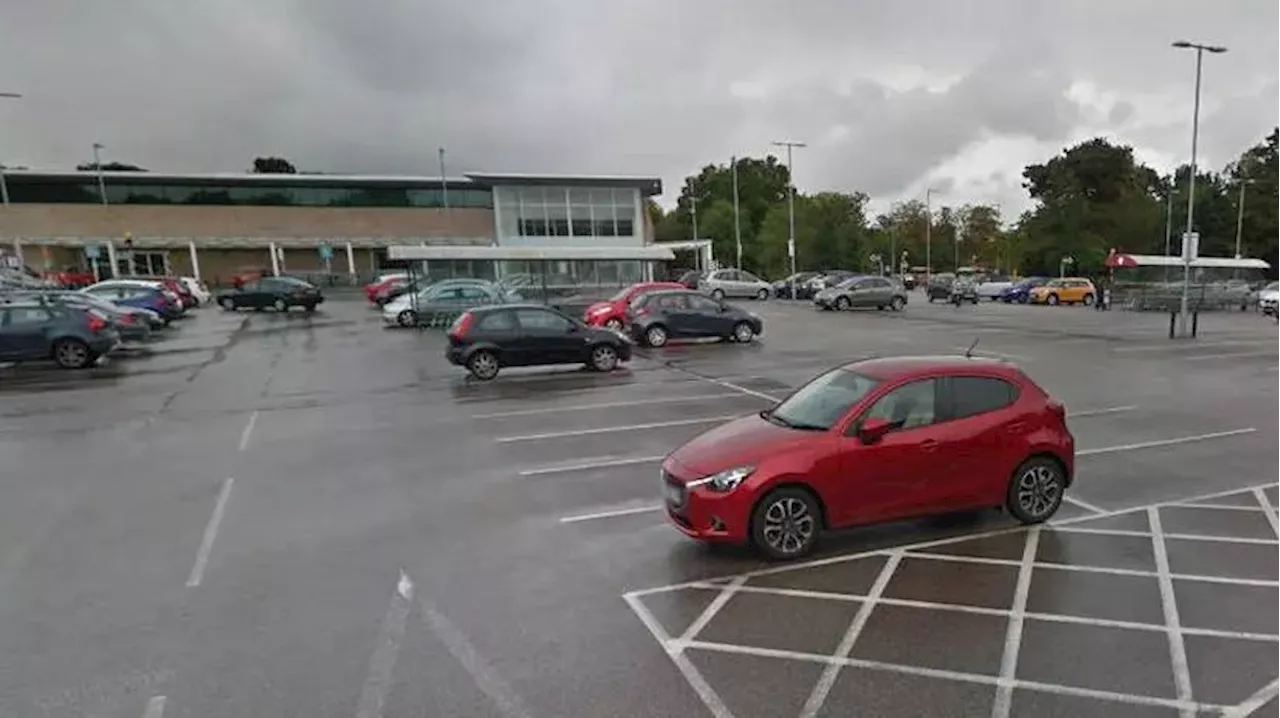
[(248, 431), (210, 533), (1165, 442), (1178, 346), (612, 429), (1255, 701), (1083, 504), (611, 514), (1099, 412), (382, 664), (1230, 355), (155, 707), (601, 463), (604, 405)]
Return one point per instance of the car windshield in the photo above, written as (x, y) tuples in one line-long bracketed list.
[(1271, 287), (1055, 283), (621, 295), (818, 405), (846, 283)]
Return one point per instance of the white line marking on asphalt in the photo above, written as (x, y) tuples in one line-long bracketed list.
[(709, 697), (600, 463), (1013, 629), (1197, 345), (1270, 510), (210, 533), (612, 429), (248, 431), (1225, 507), (155, 707), (1165, 442), (1177, 647), (1230, 355), (708, 613), (604, 405), (611, 514), (1083, 504), (818, 696), (1254, 702), (1099, 412), (382, 664), (743, 389), (508, 703)]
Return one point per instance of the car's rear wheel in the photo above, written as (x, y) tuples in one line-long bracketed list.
[(280, 305), (897, 304), (614, 324), (717, 294), (72, 354), (604, 358), (483, 365), (1053, 300), (842, 303), (762, 295), (785, 524), (407, 318), (1088, 300), (656, 336), (743, 333), (227, 303), (1036, 491)]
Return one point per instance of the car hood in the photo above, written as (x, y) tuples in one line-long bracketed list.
[(1270, 295), (597, 307), (745, 441)]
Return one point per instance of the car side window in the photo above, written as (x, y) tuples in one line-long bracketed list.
[(473, 293), (671, 301), (252, 286), (747, 276), (19, 316), (910, 406), (542, 320), (497, 322), (974, 395), (704, 304)]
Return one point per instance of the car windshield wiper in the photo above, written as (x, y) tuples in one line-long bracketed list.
[(774, 418)]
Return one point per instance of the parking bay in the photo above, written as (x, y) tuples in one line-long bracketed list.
[(524, 510)]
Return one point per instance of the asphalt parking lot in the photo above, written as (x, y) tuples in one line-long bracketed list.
[(316, 516)]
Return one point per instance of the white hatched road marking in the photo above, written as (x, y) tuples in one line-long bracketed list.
[(600, 463), (505, 699), (1083, 504), (1270, 510), (611, 514), (1166, 442), (1013, 631), (1177, 646), (1254, 702)]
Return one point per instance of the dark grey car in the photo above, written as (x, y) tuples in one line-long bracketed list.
[(659, 316), (863, 292)]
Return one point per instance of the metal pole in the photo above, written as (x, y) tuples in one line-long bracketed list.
[(693, 209), (928, 236), (791, 208), (737, 226), (1240, 217), (444, 186), (1168, 223), (4, 187)]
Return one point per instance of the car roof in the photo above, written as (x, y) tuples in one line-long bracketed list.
[(901, 367), (521, 305)]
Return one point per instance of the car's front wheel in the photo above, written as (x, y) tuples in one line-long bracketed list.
[(1036, 491), (1053, 300), (717, 294), (483, 365), (227, 303), (897, 304), (762, 295), (842, 303), (743, 333), (785, 524), (604, 358), (407, 318), (280, 305), (656, 336)]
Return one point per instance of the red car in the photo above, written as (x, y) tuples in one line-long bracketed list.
[(173, 284), (612, 314), (875, 440), (381, 286)]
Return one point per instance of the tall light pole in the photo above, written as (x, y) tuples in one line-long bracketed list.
[(928, 236), (1191, 187), (791, 208), (737, 225), (4, 186), (1244, 181), (444, 185), (102, 195)]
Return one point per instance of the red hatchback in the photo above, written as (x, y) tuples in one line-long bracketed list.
[(875, 440), (612, 314)]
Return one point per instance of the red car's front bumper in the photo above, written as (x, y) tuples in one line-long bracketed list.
[(707, 515)]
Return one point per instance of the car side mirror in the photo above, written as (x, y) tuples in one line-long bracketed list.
[(873, 430), (724, 307)]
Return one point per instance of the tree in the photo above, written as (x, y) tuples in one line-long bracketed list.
[(109, 167), (273, 165)]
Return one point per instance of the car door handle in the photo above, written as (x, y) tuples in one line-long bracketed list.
[(1016, 426), (929, 445)]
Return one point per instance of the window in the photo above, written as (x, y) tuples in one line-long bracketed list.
[(909, 406), (248, 192), (254, 285), (473, 294), (824, 401), (148, 264), (699, 303), (27, 315), (542, 321), (497, 322), (671, 301), (973, 395)]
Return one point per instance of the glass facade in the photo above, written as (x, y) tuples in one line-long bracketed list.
[(566, 212), (143, 192)]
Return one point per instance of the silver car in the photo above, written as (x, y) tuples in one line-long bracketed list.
[(878, 292), (734, 283)]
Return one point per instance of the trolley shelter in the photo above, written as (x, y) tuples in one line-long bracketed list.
[(1146, 282)]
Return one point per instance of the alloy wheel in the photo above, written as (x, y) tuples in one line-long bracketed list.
[(788, 525), (72, 354), (1039, 491), (604, 358), (743, 332), (656, 336), (484, 365)]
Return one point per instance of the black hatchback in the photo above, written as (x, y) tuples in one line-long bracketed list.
[(279, 293), (486, 339), (657, 317)]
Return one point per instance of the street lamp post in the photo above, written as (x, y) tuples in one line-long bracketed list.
[(4, 186), (1240, 214), (1062, 266), (102, 195), (1191, 186), (928, 236), (791, 208)]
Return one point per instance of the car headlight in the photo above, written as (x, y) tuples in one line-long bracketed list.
[(728, 480)]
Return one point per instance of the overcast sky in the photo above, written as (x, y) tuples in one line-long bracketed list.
[(891, 97)]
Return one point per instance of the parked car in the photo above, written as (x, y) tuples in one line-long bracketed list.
[(878, 292), (1268, 297), (72, 337), (948, 287), (657, 317), (734, 283), (873, 441), (133, 325), (70, 278), (279, 293), (486, 339), (1068, 290), (198, 289), (173, 284), (690, 279), (782, 288), (993, 286), (443, 302), (140, 295), (248, 274), (824, 279), (383, 284), (1020, 291), (612, 314)]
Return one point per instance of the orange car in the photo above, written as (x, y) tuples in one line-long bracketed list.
[(1068, 290)]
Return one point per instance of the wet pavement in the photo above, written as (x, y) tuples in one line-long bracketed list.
[(317, 516)]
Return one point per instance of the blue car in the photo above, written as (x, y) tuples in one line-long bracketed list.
[(72, 337), (1020, 291), (138, 297)]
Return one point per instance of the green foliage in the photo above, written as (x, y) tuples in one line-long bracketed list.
[(273, 165)]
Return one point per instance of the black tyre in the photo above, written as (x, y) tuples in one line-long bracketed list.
[(762, 295), (483, 365), (407, 318), (227, 303), (1053, 300), (604, 358), (656, 336), (842, 303), (614, 324), (1036, 490), (1088, 300), (897, 304), (717, 294), (743, 333), (280, 305), (973, 301), (786, 523), (72, 354)]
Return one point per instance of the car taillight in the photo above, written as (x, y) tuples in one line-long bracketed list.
[(127, 319), (1057, 409), (96, 325), (462, 326)]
